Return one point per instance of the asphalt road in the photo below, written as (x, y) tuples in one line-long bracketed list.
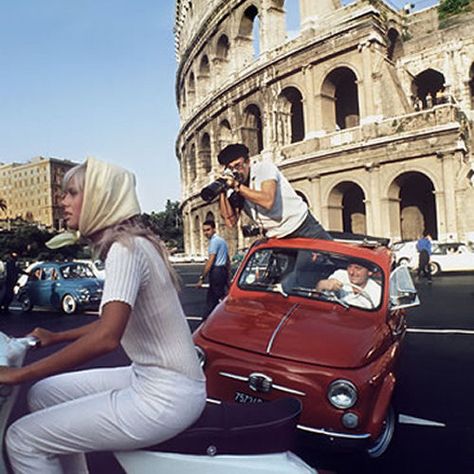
[(435, 432)]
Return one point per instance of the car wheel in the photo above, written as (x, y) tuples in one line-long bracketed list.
[(382, 443), (68, 304), (435, 268), (403, 262), (25, 302)]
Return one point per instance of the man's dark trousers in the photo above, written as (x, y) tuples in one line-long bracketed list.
[(218, 282)]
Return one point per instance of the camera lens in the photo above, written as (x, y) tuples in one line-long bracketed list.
[(214, 189)]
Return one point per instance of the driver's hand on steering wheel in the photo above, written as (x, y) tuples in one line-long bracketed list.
[(331, 284)]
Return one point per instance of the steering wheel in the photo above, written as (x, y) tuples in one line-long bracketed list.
[(360, 291)]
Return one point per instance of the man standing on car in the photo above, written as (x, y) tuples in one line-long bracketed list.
[(266, 196), (424, 250), (217, 267)]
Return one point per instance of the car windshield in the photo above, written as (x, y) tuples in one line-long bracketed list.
[(317, 275), (75, 271)]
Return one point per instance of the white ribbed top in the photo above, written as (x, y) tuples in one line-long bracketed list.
[(157, 333)]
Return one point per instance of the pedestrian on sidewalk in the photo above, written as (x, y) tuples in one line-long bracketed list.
[(424, 248), (161, 393), (217, 267), (12, 271)]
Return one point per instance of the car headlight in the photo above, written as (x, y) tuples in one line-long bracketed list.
[(201, 356), (342, 394), (84, 294)]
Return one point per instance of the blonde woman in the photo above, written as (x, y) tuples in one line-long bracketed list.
[(161, 393)]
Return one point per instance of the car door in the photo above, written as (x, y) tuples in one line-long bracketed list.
[(44, 287)]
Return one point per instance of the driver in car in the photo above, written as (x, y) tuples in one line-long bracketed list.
[(353, 285)]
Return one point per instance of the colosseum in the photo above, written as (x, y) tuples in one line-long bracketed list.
[(367, 111)]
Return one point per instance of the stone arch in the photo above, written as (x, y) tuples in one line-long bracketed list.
[(412, 206), (347, 210), (192, 162), (191, 89), (471, 85), (249, 32), (204, 74), (197, 231), (205, 153), (225, 134), (210, 217), (252, 131), (290, 126), (394, 44), (292, 18), (340, 99), (223, 47), (428, 86)]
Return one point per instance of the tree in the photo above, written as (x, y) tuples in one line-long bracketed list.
[(452, 7), (167, 224)]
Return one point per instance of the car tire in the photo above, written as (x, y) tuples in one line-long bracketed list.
[(435, 268), (68, 304), (382, 443), (25, 303)]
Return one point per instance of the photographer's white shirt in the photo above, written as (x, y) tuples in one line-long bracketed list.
[(288, 211)]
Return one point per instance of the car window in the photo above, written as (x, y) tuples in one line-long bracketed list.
[(302, 272), (75, 271)]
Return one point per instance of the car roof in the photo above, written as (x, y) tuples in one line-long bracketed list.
[(379, 255)]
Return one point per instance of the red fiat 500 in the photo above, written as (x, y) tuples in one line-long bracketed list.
[(318, 320)]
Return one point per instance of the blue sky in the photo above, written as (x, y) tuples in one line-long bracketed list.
[(94, 77)]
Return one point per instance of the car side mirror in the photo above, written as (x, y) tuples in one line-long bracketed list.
[(403, 293)]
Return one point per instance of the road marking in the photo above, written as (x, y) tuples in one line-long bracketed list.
[(194, 318), (441, 331), (194, 285), (412, 420)]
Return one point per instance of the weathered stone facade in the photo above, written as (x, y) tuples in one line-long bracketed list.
[(367, 111)]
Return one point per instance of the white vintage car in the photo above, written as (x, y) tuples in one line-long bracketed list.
[(451, 257)]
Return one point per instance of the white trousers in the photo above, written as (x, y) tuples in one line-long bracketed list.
[(100, 410)]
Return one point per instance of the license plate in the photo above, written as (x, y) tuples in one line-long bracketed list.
[(241, 397)]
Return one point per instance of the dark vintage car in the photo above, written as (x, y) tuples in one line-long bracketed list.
[(66, 286), (279, 334)]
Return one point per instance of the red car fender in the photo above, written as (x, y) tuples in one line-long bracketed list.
[(382, 405)]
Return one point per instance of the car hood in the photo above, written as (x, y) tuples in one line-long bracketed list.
[(321, 333)]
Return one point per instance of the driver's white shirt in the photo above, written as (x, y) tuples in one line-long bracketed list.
[(350, 296)]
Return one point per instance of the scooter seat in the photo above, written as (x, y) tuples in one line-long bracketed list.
[(232, 428)]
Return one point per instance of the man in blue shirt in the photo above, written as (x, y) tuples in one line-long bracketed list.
[(217, 267), (424, 249)]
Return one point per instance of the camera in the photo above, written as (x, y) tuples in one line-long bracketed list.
[(218, 186), (249, 230)]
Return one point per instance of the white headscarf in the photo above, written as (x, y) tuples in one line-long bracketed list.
[(109, 198)]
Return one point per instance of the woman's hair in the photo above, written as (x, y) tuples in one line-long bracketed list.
[(77, 175), (122, 232)]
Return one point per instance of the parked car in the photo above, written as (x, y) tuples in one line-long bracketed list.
[(179, 258), (65, 286), (275, 335), (197, 258), (405, 253), (187, 258), (451, 257)]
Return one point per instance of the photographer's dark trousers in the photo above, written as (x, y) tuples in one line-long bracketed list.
[(424, 269), (218, 283), (311, 229)]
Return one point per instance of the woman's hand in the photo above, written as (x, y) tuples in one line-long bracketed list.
[(46, 338), (10, 375)]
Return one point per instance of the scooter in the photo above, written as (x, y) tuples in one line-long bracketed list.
[(228, 438)]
